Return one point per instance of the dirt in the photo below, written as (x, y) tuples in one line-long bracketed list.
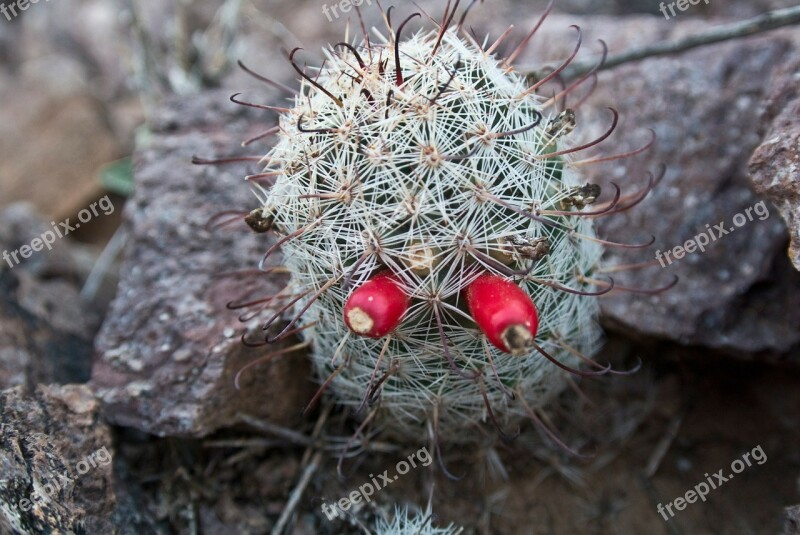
[(724, 410)]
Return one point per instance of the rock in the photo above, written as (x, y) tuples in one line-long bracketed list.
[(71, 112), (704, 106), (46, 330), (169, 350), (792, 526), (56, 458), (775, 165), (57, 173)]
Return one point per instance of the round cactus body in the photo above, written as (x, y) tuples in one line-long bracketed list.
[(433, 161)]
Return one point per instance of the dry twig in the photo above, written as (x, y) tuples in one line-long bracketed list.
[(760, 24)]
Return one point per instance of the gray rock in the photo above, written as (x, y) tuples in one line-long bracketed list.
[(46, 330), (704, 106), (169, 350), (775, 165), (55, 462)]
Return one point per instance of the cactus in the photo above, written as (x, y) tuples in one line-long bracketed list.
[(405, 521), (433, 161)]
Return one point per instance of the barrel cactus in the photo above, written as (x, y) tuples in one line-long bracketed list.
[(439, 238)]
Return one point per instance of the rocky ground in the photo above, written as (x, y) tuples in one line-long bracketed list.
[(118, 410)]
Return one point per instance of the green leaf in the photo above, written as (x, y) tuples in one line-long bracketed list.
[(117, 177)]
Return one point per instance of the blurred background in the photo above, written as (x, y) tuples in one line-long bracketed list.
[(113, 98)]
